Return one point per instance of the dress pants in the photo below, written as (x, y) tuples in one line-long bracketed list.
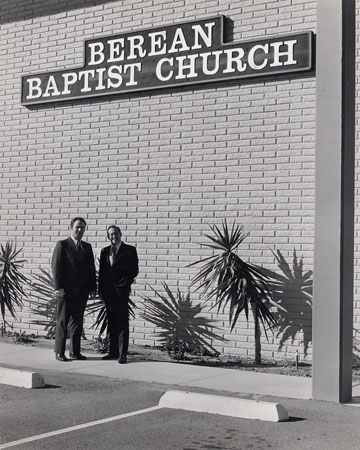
[(70, 311), (117, 311)]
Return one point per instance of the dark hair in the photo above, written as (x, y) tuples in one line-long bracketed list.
[(116, 228), (75, 219)]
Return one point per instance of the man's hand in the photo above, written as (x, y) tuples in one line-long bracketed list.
[(59, 292)]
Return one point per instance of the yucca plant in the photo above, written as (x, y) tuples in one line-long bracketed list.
[(11, 280), (43, 301), (234, 283), (178, 322)]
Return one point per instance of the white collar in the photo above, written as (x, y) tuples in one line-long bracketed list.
[(117, 247), (75, 241)]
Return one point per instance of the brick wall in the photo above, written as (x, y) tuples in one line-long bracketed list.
[(162, 165)]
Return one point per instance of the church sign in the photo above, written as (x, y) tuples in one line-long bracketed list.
[(176, 55)]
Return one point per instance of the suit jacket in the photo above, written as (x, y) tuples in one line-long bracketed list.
[(114, 279), (73, 270)]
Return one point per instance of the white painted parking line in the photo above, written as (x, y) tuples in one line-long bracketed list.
[(77, 427)]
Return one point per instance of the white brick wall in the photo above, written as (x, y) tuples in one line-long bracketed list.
[(162, 165)]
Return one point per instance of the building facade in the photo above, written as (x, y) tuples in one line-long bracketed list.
[(164, 163)]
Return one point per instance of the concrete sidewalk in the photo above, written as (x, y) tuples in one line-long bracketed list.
[(36, 359)]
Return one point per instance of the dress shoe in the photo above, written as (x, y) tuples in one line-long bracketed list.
[(122, 360), (61, 357), (110, 356), (79, 356)]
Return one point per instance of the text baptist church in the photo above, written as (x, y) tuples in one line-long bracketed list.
[(190, 52)]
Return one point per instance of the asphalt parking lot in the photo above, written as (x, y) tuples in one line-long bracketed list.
[(79, 400)]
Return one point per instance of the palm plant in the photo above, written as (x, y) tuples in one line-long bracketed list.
[(11, 280), (178, 322), (234, 283), (43, 301)]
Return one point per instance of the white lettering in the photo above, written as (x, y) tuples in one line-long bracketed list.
[(289, 53), (200, 32), (251, 57), (159, 66), (189, 66), (234, 56), (114, 76), (51, 86), (96, 53), (157, 43), (136, 43), (86, 74), (116, 50), (100, 74), (69, 79), (34, 88), (216, 64), (132, 68), (179, 39)]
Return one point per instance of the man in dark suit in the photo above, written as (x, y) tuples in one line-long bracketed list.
[(119, 266), (74, 276)]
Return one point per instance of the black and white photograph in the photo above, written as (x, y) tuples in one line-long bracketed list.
[(180, 224)]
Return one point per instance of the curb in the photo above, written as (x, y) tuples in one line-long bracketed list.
[(21, 378), (226, 406)]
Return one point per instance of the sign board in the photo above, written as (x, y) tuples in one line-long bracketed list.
[(176, 55)]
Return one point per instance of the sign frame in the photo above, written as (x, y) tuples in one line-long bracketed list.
[(307, 36)]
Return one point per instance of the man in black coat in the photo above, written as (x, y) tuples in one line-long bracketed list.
[(74, 277), (119, 265)]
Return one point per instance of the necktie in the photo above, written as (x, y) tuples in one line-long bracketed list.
[(112, 254)]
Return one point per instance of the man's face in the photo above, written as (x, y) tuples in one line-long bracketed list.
[(78, 230), (114, 236)]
